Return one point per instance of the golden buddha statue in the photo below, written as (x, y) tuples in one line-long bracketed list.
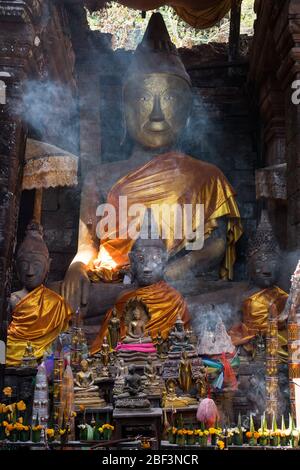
[(185, 377), (263, 263), (29, 359), (138, 315), (39, 315), (84, 379), (157, 104), (85, 391), (171, 400), (114, 330)]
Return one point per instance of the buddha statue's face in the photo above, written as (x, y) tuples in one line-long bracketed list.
[(32, 270), (148, 264), (137, 314), (264, 269), (157, 107), (84, 366)]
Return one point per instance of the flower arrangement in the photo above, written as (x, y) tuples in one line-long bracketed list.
[(220, 444), (13, 425)]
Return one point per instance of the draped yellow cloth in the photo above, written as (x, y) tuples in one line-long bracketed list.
[(197, 13), (172, 178), (164, 304), (255, 316), (206, 16), (39, 317)]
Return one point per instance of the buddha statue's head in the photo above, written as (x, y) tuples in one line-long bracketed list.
[(264, 255), (84, 365), (179, 325), (148, 255), (157, 90), (32, 259)]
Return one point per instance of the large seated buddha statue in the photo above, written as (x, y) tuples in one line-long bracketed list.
[(157, 103), (151, 308), (263, 264), (39, 314)]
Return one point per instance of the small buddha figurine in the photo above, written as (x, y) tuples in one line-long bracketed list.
[(161, 345), (105, 358), (179, 339), (150, 372), (132, 395), (84, 379), (122, 371), (185, 378), (29, 359), (86, 393), (114, 329), (171, 400), (39, 315), (136, 332)]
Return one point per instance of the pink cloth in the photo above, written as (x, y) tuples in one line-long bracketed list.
[(208, 413), (143, 347)]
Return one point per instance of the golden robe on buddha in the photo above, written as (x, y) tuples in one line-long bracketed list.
[(255, 317), (39, 318), (172, 178), (164, 304)]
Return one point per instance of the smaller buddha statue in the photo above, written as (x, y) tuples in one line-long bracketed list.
[(179, 339), (164, 304), (137, 315), (185, 378), (161, 345), (114, 329), (85, 390), (264, 257), (122, 371), (39, 315), (202, 383), (29, 359), (105, 357), (84, 379), (133, 395), (150, 373), (171, 400)]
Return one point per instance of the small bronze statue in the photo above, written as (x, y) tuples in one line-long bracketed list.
[(84, 379), (133, 395), (136, 317), (105, 358), (114, 330), (185, 378), (150, 373), (29, 359), (179, 339), (171, 400), (161, 345), (86, 393)]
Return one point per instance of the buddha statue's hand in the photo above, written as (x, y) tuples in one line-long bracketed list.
[(75, 287)]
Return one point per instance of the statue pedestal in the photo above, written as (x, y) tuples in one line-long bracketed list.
[(133, 423), (89, 398), (136, 354)]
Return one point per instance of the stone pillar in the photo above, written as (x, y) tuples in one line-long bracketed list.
[(287, 40), (235, 26), (16, 43)]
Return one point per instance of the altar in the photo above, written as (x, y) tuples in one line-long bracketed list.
[(149, 265)]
